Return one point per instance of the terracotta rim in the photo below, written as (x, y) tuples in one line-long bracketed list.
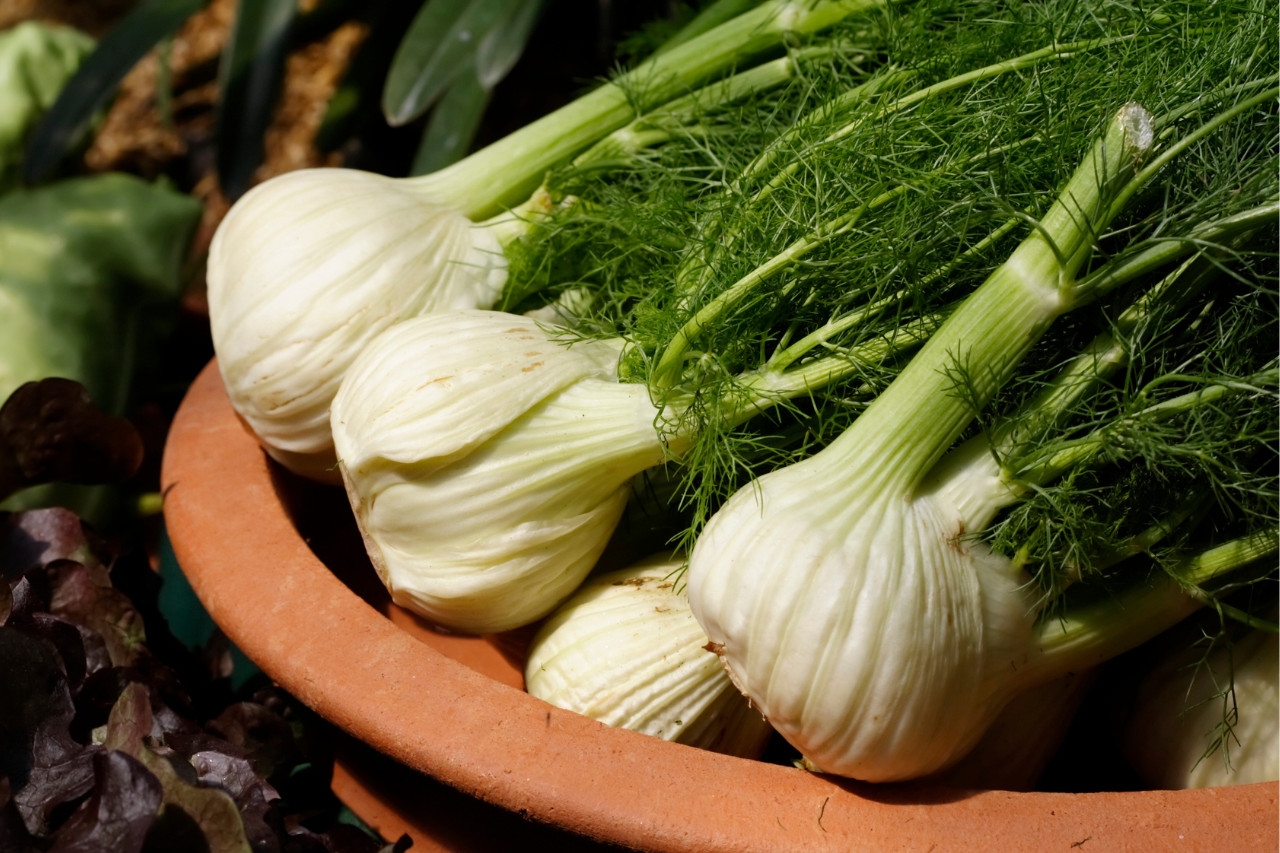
[(397, 692)]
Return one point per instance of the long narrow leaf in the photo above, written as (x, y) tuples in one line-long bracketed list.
[(452, 125), (93, 85), (440, 45), (502, 46), (249, 80)]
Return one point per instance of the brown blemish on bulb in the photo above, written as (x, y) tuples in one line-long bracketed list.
[(714, 647), (520, 334), (956, 542)]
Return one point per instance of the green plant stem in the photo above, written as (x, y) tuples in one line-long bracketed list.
[(756, 391), (1208, 237), (620, 147), (913, 422), (784, 357), (1010, 459), (788, 352), (1108, 352), (1086, 635), (1165, 156), (499, 175), (765, 387), (1072, 454)]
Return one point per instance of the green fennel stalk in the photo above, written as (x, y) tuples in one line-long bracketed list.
[(929, 211), (500, 175)]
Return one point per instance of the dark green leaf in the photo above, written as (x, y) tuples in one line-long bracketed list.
[(440, 45), (66, 122), (452, 126), (249, 80)]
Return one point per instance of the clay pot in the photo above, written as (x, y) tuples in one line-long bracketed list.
[(278, 565)]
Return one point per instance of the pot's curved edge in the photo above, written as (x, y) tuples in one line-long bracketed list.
[(337, 654)]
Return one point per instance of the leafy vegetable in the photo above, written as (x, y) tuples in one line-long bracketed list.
[(1095, 422), (90, 267), (90, 271), (867, 645), (953, 326), (35, 61), (106, 750)]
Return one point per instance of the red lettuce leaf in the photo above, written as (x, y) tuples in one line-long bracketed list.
[(118, 815), (33, 539), (51, 432), (43, 764), (102, 747)]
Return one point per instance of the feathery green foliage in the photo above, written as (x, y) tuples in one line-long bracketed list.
[(814, 222)]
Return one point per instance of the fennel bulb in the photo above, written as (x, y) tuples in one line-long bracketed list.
[(875, 639), (872, 638), (625, 650), (311, 265), (1023, 738), (1176, 736), (488, 463), (348, 254)]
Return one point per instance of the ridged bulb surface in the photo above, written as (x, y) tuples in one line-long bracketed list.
[(310, 266), (625, 650), (1181, 706), (488, 463), (873, 638)]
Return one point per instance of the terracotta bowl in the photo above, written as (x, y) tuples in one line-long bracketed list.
[(472, 762)]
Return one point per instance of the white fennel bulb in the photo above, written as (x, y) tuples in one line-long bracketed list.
[(1023, 738), (872, 638), (1177, 736), (842, 592), (488, 463), (625, 650), (308, 268)]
